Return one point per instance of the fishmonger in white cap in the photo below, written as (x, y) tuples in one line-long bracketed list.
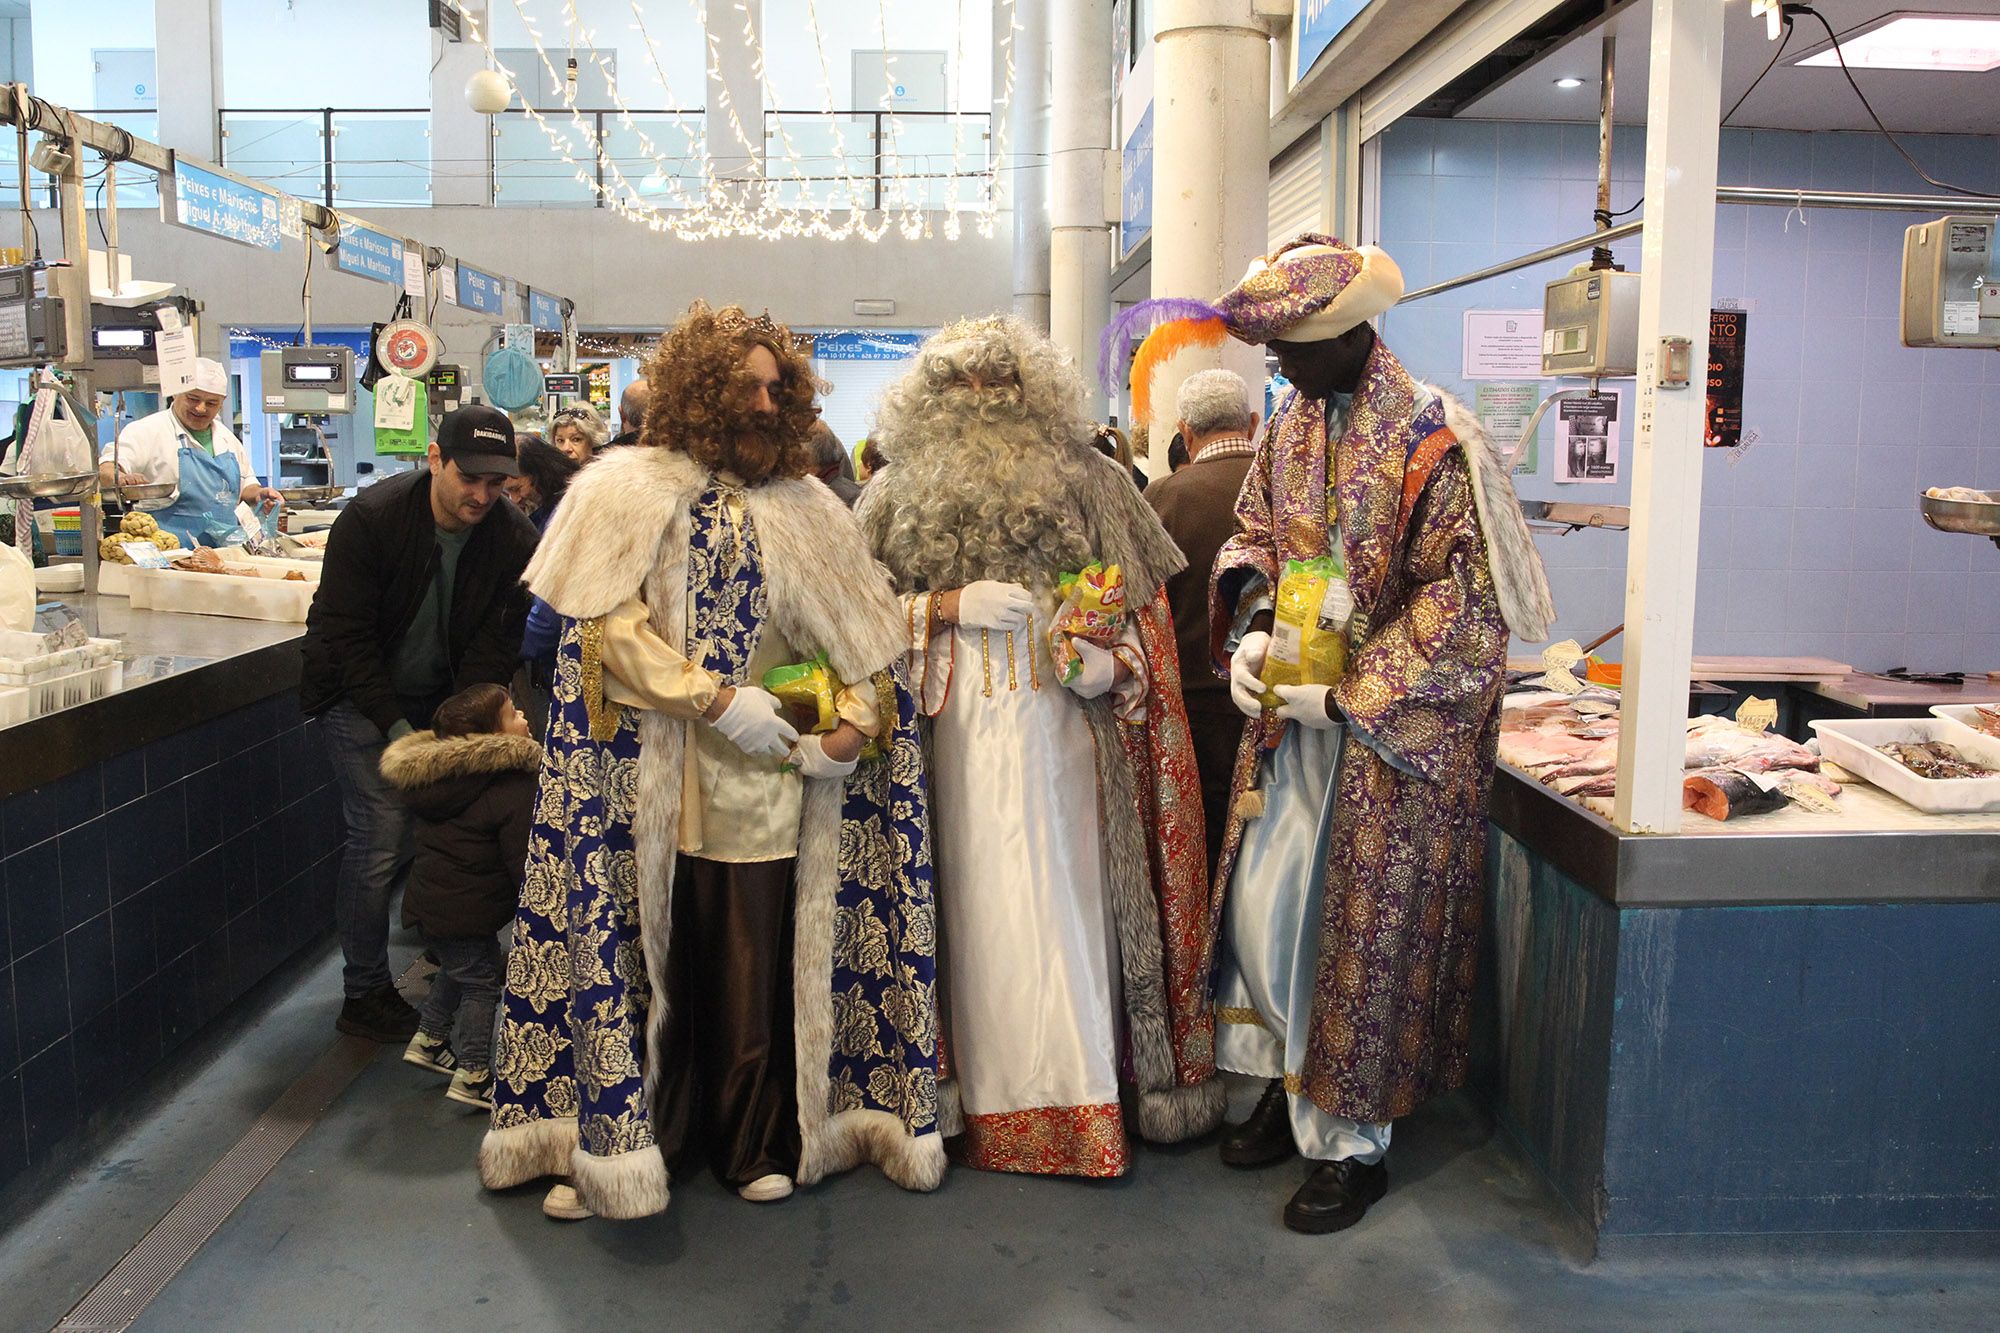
[(184, 444)]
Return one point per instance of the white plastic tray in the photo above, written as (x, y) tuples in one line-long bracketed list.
[(18, 671), (1851, 744), (1960, 717), (54, 695), (268, 596)]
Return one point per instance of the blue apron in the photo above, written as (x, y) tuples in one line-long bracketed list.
[(204, 513)]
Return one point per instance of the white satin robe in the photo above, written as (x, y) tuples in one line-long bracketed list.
[(1030, 964)]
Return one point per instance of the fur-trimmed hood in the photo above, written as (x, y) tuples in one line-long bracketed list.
[(440, 777), (620, 512), (1518, 576)]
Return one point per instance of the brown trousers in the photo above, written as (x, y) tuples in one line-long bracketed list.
[(1216, 735), (727, 1089)]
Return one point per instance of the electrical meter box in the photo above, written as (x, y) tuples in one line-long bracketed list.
[(1951, 293), (308, 379), (1590, 325), (31, 317)]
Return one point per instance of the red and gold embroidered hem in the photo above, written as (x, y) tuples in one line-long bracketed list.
[(1049, 1141)]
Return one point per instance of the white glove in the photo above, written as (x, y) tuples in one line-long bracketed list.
[(755, 723), (1305, 705), (810, 759), (1246, 667), (1100, 670), (990, 605)]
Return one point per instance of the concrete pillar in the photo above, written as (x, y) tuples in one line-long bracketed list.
[(735, 95), (187, 65), (1079, 141), (461, 138), (1028, 151), (1211, 172)]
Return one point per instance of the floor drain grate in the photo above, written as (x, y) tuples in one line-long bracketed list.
[(123, 1294)]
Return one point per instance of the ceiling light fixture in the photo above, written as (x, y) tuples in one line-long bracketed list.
[(1960, 43), (1569, 81)]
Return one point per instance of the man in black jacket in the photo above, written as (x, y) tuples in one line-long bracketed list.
[(420, 597)]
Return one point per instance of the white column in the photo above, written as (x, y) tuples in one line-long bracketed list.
[(736, 145), (1677, 270), (461, 138), (1211, 171), (187, 65), (1028, 151), (1079, 142)]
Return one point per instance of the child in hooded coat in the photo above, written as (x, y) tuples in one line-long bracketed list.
[(470, 782)]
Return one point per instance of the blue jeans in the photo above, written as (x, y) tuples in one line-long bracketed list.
[(376, 858), (466, 987)]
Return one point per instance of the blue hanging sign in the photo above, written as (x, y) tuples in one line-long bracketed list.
[(479, 291), (866, 345), (368, 253), (544, 311), (206, 199), (1135, 221), (1319, 22)]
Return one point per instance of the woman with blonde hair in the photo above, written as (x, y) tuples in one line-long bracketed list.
[(579, 431)]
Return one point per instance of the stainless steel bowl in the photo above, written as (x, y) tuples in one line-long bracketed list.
[(147, 495), (309, 494), (65, 486), (1968, 516)]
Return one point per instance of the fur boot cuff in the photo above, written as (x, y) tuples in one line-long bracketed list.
[(632, 1184), (1174, 1115), (520, 1153)]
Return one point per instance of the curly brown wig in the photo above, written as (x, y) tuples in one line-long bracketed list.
[(702, 391)]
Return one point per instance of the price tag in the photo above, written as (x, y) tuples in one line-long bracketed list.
[(145, 555), (1757, 716), (1808, 797), (1558, 661)]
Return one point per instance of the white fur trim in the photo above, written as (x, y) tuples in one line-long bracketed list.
[(853, 1137), (818, 884), (951, 1109), (606, 536), (1174, 1115), (520, 1153), (1518, 576), (632, 1184)]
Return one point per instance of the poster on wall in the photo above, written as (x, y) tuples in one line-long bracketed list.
[(1725, 378), (1502, 345), (1504, 409), (1587, 439)]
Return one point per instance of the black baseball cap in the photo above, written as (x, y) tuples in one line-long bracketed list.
[(479, 439)]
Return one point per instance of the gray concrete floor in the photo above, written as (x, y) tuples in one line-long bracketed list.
[(376, 1221)]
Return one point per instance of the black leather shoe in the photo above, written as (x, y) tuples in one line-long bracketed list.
[(380, 1015), (1264, 1138), (1336, 1196)]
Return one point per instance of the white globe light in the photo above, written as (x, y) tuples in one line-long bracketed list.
[(488, 92)]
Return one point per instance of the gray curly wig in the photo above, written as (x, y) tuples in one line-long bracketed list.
[(1001, 482)]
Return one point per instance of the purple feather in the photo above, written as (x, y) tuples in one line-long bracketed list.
[(1121, 335)]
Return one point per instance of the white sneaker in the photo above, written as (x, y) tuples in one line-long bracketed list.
[(767, 1189), (562, 1203)]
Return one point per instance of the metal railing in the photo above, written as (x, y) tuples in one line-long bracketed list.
[(386, 160), (869, 159)]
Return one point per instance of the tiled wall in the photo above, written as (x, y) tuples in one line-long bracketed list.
[(144, 894), (1810, 538)]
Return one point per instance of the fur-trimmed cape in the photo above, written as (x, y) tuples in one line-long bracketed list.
[(624, 529)]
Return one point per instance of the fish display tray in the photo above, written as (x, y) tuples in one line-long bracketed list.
[(1851, 744), (266, 596), (1963, 718)]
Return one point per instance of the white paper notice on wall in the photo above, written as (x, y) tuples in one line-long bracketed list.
[(176, 349), (1502, 345), (1961, 317), (413, 275)]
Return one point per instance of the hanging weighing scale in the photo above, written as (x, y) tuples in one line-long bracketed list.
[(408, 347), (512, 379)]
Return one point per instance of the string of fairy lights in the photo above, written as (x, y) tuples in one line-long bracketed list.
[(771, 195)]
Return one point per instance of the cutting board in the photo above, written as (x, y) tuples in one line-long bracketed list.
[(1742, 668)]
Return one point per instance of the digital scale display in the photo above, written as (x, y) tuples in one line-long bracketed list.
[(312, 374), (120, 337)]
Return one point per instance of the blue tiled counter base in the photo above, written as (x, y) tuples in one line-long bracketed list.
[(143, 895), (1714, 1071)]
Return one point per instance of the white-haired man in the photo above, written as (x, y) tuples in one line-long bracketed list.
[(1197, 505), (1062, 809)]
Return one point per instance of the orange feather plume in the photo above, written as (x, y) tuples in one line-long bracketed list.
[(1160, 347)]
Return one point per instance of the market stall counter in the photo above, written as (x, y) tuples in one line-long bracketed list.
[(167, 845), (1775, 1026)]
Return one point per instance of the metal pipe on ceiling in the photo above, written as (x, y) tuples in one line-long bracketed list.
[(1725, 194)]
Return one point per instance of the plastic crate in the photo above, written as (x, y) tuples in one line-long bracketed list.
[(13, 707), (66, 527), (34, 668), (80, 687)]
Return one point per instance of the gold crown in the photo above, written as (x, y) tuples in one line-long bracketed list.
[(735, 319), (969, 327)]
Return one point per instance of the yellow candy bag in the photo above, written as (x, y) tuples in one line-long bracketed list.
[(806, 689), (1093, 608), (1309, 633)]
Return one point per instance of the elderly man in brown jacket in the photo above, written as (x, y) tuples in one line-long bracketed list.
[(1197, 506)]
